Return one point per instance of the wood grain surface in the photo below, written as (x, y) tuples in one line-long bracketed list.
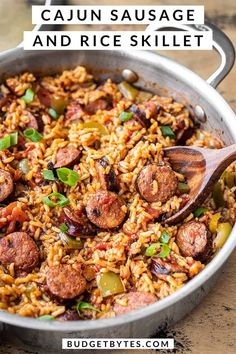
[(211, 327)]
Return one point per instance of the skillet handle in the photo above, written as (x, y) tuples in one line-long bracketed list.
[(221, 43)]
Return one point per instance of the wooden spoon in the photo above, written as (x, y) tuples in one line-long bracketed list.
[(202, 168)]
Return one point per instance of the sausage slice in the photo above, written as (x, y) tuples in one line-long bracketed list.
[(65, 282), (162, 267), (6, 184), (104, 209), (157, 183), (140, 116), (67, 156), (193, 240), (74, 111), (135, 300), (108, 181), (104, 103), (69, 315), (77, 222), (19, 248)]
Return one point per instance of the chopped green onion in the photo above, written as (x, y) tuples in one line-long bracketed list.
[(167, 131), (62, 200), (164, 252), (164, 238), (53, 113), (183, 188), (5, 142), (125, 116), (63, 227), (23, 166), (48, 174), (199, 212), (46, 318), (85, 305), (68, 176), (28, 96), (150, 251), (8, 141), (14, 138), (32, 134)]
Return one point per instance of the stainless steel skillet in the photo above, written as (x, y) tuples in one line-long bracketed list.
[(161, 75)]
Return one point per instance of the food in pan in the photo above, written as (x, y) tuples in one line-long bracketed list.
[(85, 189)]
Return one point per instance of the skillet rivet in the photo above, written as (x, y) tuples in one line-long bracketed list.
[(200, 114), (129, 76)]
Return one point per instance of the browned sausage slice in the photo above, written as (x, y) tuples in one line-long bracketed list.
[(108, 181), (163, 267), (6, 184), (69, 315), (77, 222), (44, 97), (19, 248), (135, 300), (193, 239), (65, 282), (104, 209), (104, 103), (67, 156), (74, 111), (33, 123), (3, 100), (140, 116), (157, 183)]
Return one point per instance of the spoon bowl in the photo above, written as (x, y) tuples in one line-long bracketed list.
[(202, 168)]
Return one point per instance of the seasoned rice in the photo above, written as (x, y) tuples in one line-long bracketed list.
[(128, 147)]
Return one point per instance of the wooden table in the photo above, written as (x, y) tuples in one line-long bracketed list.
[(211, 327)]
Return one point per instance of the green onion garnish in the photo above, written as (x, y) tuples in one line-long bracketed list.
[(32, 134), (8, 141), (125, 116), (85, 305), (63, 227), (46, 318), (62, 200), (164, 252), (48, 174), (28, 96), (53, 113), (183, 188), (68, 176), (152, 249), (14, 138), (199, 212), (167, 131), (164, 238)]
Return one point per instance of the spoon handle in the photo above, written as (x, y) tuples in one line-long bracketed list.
[(223, 157), (216, 163)]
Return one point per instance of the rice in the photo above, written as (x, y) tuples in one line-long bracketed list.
[(128, 147)]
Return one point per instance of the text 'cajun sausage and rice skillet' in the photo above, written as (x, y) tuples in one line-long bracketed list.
[(85, 189)]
